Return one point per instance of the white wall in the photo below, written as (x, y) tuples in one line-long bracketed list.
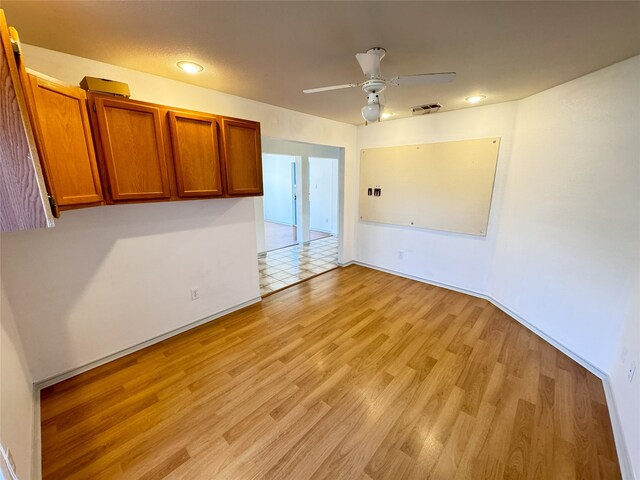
[(627, 394), (110, 277), (568, 247), (323, 194), (17, 400), (459, 260), (277, 179)]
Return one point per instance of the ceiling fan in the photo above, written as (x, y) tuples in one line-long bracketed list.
[(375, 84)]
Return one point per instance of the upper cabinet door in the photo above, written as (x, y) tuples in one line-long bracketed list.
[(66, 144), (194, 139), (23, 198), (132, 144), (242, 157)]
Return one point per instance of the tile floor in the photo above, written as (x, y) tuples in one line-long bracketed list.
[(286, 266), (279, 236)]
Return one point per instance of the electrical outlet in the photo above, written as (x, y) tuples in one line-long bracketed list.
[(195, 293), (631, 371), (400, 254)]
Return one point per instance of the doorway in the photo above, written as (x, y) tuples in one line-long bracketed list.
[(279, 201), (298, 221), (323, 197), (287, 178)]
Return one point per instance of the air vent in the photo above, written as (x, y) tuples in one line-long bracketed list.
[(424, 109)]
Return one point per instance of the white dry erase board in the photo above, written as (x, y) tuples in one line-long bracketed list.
[(442, 186)]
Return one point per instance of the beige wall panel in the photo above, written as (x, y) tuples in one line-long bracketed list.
[(442, 186)]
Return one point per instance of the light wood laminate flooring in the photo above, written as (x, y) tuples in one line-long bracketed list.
[(355, 374)]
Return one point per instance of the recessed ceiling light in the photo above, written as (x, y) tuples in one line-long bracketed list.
[(387, 115), (475, 98), (190, 67)]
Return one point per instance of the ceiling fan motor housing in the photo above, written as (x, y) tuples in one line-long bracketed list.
[(373, 98), (374, 85), (381, 52)]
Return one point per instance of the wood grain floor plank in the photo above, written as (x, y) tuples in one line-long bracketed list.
[(354, 374), (520, 447), (470, 465), (307, 455), (165, 467), (350, 456), (453, 451)]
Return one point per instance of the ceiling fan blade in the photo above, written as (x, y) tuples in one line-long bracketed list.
[(423, 78), (370, 64), (334, 87)]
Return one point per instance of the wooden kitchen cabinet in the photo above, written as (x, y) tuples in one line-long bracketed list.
[(132, 146), (194, 141), (24, 200), (97, 148), (242, 154), (149, 152), (65, 143)]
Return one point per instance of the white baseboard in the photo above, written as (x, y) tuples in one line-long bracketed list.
[(616, 424), (101, 361), (624, 456), (564, 349), (567, 351), (422, 280), (36, 466), (278, 222), (322, 230)]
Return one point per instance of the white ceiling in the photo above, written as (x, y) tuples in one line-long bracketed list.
[(270, 51)]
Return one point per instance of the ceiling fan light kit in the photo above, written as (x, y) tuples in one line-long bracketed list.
[(375, 84), (372, 112)]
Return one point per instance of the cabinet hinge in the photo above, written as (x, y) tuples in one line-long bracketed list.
[(52, 203), (94, 108), (15, 46), (14, 38)]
